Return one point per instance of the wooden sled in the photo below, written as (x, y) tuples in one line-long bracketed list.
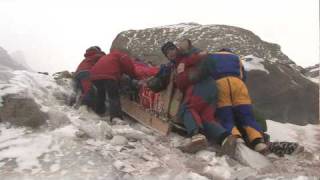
[(162, 117)]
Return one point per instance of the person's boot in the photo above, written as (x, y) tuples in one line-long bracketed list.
[(229, 145), (196, 143), (262, 148), (118, 121), (282, 148)]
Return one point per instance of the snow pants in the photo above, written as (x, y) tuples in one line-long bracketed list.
[(235, 110), (110, 87), (197, 111), (87, 91)]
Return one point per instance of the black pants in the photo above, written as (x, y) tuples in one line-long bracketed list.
[(111, 87)]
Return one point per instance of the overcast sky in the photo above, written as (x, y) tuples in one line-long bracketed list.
[(53, 34)]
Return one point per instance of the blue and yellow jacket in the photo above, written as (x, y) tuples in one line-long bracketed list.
[(226, 64)]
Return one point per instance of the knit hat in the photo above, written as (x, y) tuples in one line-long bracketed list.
[(94, 48), (167, 46)]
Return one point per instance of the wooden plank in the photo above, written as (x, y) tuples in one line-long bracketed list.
[(166, 95), (135, 111)]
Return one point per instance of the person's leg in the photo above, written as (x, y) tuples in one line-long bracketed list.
[(245, 119), (192, 122), (225, 116), (244, 115), (87, 97), (224, 113), (202, 101), (189, 121), (112, 88), (188, 115), (100, 107)]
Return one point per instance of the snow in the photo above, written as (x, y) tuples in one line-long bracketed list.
[(125, 149), (25, 148), (315, 80), (43, 89), (308, 135), (315, 69), (254, 63)]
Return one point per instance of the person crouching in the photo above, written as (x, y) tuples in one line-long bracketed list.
[(106, 75)]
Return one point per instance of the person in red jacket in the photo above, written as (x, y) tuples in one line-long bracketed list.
[(105, 75), (81, 77), (198, 106)]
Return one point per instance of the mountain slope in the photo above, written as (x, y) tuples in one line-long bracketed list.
[(312, 73)]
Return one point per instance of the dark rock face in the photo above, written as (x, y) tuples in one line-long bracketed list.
[(283, 95), (21, 111)]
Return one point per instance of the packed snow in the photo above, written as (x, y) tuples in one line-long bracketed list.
[(251, 62), (85, 146)]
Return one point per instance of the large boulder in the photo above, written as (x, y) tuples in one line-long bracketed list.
[(22, 111), (278, 88)]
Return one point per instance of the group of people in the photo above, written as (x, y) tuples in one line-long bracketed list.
[(216, 105)]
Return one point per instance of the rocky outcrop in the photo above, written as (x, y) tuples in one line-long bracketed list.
[(278, 89), (21, 111)]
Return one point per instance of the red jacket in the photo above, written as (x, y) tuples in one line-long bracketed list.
[(112, 66), (185, 65), (91, 57)]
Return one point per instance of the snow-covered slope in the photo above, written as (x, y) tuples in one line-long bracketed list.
[(125, 149), (312, 73)]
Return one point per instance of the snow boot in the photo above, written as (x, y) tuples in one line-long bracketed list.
[(237, 149), (282, 148), (262, 148), (229, 145), (197, 142)]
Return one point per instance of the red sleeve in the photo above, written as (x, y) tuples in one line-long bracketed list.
[(127, 66)]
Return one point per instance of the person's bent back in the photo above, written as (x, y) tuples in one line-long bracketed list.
[(105, 75), (82, 75)]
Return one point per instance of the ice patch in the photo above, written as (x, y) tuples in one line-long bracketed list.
[(254, 63), (306, 136), (26, 149), (251, 158)]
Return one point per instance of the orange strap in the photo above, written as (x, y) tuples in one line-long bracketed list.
[(241, 65)]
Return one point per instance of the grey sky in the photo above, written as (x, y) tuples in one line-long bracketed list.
[(53, 34)]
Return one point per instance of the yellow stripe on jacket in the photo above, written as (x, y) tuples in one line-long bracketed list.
[(232, 92)]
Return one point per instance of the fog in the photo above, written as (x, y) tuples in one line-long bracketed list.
[(54, 34)]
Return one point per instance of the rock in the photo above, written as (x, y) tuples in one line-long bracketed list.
[(44, 73), (119, 140), (283, 94), (123, 167), (62, 75), (22, 112), (57, 119)]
